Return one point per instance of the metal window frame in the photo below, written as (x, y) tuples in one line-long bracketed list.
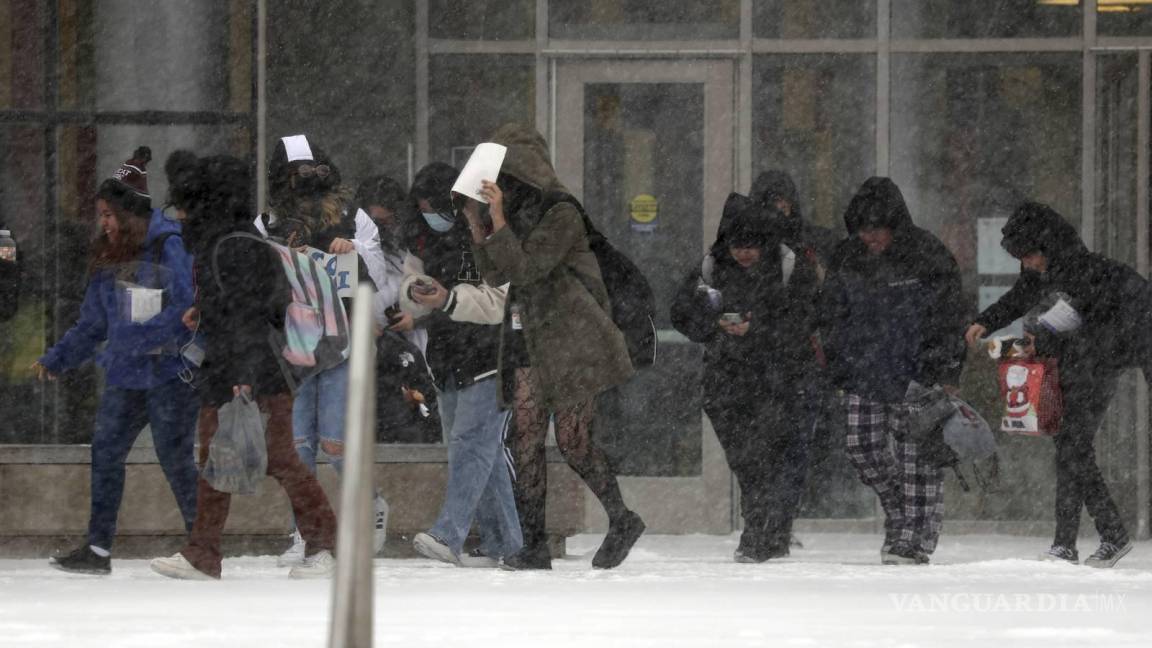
[(50, 118)]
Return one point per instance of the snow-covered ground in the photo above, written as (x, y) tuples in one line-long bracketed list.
[(673, 591)]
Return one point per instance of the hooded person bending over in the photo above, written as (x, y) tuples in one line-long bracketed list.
[(893, 312), (559, 345), (1113, 303)]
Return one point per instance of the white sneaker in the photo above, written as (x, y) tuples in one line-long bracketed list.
[(476, 559), (430, 546), (295, 554), (319, 565), (177, 566), (380, 530)]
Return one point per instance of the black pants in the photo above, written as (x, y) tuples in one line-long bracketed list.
[(765, 441), (1079, 483)]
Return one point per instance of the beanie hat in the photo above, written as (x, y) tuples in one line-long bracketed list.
[(134, 171)]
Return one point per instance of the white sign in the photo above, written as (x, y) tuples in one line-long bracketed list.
[(484, 164), (343, 268), (990, 255)]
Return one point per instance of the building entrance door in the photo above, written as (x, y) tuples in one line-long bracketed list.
[(648, 147), (1120, 229)]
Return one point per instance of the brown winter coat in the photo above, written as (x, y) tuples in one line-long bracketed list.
[(575, 349)]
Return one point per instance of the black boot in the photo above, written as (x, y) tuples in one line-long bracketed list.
[(536, 556), (622, 534), (82, 560)]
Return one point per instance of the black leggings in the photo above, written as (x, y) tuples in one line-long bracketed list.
[(1079, 483), (574, 437)]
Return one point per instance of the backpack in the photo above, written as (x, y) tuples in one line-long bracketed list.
[(630, 294), (315, 335)]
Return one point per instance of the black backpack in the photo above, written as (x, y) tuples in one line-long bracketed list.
[(633, 303)]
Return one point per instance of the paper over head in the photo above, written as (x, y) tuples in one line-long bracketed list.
[(297, 148), (484, 164)]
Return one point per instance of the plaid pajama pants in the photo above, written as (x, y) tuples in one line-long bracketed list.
[(911, 491)]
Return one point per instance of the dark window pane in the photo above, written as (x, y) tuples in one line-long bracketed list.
[(644, 19), (974, 135), (644, 144), (22, 54), (471, 96), (814, 19), (983, 19), (814, 116), (496, 20), (353, 89), (1121, 18), (181, 56), (22, 337)]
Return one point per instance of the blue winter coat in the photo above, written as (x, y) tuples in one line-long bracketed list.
[(891, 318), (137, 355)]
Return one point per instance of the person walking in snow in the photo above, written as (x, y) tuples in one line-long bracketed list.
[(559, 345), (1114, 305), (752, 302), (140, 284), (444, 288), (241, 296), (893, 312), (310, 208)]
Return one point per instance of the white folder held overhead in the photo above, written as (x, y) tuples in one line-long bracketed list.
[(484, 164)]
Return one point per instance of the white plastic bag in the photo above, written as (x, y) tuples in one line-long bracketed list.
[(238, 456)]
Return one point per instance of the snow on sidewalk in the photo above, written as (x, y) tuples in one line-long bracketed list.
[(674, 591)]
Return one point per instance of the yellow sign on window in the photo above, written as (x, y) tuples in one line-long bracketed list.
[(644, 209)]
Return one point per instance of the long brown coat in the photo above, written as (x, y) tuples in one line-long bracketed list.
[(575, 349)]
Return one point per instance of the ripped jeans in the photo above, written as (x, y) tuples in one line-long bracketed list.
[(318, 417)]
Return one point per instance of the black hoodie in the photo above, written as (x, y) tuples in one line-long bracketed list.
[(776, 356), (897, 316), (1112, 298), (799, 234)]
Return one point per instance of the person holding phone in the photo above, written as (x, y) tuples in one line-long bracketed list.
[(444, 289), (751, 303)]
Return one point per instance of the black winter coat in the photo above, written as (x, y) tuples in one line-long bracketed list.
[(1113, 300), (236, 321), (895, 317), (776, 357), (460, 352)]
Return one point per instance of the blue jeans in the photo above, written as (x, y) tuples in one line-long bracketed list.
[(171, 409), (318, 417), (479, 475)]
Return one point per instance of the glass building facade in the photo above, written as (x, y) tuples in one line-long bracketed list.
[(971, 106)]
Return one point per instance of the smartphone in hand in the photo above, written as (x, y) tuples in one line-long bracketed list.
[(732, 318)]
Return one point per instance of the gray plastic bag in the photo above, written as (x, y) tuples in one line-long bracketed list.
[(238, 455), (967, 433)]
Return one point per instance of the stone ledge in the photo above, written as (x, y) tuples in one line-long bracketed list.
[(79, 454)]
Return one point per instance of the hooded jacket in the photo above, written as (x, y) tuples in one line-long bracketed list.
[(815, 242), (893, 317), (1113, 299), (138, 355), (573, 346), (776, 356)]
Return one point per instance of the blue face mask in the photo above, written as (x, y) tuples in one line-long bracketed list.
[(437, 222)]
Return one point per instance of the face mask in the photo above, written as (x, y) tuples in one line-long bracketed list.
[(437, 222)]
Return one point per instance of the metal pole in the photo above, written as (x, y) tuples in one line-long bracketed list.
[(352, 596), (1144, 118), (883, 85), (261, 105), (421, 83), (1088, 129)]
